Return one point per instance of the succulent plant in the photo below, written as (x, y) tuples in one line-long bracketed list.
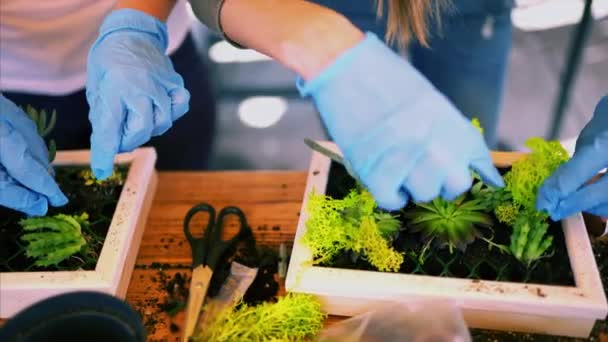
[(44, 126), (448, 223), (529, 240), (52, 239)]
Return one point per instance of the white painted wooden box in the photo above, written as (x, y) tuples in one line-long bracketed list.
[(555, 310), (117, 258)]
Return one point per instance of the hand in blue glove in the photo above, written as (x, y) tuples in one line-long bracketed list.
[(565, 192), (132, 89), (399, 134), (25, 182)]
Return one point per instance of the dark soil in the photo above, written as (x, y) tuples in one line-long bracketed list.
[(99, 201)]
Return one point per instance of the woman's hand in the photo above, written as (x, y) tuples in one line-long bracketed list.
[(25, 182), (132, 89), (402, 137), (567, 191)]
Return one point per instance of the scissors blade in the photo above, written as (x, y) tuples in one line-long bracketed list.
[(201, 278)]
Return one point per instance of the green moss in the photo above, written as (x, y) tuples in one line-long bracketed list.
[(327, 232), (51, 240), (376, 248), (507, 213), (527, 175), (116, 179), (353, 223), (294, 317), (475, 122)]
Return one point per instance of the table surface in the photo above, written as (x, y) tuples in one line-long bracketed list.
[(271, 202)]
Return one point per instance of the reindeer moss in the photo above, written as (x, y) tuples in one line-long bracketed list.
[(294, 317), (351, 224)]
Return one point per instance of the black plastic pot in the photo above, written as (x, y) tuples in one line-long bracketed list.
[(77, 316)]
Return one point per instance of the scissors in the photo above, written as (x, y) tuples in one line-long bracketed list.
[(207, 252)]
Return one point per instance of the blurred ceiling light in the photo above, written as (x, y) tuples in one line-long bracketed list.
[(262, 111), (223, 52), (600, 9), (535, 15), (542, 15)]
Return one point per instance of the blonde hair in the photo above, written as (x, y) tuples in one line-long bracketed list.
[(409, 19)]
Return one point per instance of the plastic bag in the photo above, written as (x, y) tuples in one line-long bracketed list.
[(421, 321), (232, 292)]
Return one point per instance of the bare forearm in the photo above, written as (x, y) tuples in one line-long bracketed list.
[(157, 8), (303, 36)]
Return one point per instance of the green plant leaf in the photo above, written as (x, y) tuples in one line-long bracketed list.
[(52, 151), (42, 123), (51, 125), (53, 239), (450, 223)]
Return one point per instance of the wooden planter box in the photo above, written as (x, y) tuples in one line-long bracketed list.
[(117, 258), (555, 310)]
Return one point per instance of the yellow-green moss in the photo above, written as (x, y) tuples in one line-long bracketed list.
[(294, 317), (506, 213), (352, 223), (475, 122), (375, 248), (527, 175)]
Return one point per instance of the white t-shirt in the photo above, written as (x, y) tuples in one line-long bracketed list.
[(44, 44)]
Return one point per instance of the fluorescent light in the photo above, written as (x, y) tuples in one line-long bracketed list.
[(224, 52), (599, 9), (262, 111), (535, 15), (542, 15)]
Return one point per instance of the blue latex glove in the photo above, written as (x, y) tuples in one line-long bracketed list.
[(399, 134), (132, 89), (25, 182), (565, 192)]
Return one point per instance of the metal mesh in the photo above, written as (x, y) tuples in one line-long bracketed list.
[(456, 265)]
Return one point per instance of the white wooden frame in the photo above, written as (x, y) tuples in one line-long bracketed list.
[(117, 258), (556, 310)]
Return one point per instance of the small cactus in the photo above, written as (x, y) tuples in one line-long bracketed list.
[(529, 240)]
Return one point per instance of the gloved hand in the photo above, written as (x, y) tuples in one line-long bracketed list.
[(25, 182), (400, 135), (132, 89), (565, 192)]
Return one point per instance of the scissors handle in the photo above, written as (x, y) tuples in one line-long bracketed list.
[(220, 223), (208, 249), (199, 245), (217, 246)]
